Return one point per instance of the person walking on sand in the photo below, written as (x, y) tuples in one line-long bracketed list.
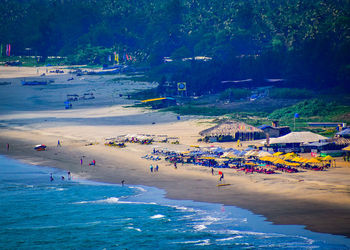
[(59, 143), (175, 165), (81, 161), (8, 147), (222, 176), (151, 168), (212, 171), (156, 169)]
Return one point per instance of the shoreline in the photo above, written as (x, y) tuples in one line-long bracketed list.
[(178, 185), (318, 200)]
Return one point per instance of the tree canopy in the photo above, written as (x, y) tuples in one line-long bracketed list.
[(306, 42)]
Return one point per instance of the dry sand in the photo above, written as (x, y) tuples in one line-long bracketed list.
[(319, 200)]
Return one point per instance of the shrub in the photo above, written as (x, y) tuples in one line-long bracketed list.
[(290, 93), (233, 94)]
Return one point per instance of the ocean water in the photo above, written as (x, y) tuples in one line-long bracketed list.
[(36, 213)]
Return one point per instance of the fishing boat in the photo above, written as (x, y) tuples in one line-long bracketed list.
[(24, 82), (5, 83), (40, 147)]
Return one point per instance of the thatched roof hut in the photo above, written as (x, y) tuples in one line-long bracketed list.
[(233, 130)]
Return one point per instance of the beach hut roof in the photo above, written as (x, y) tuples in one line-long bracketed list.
[(297, 137), (229, 128), (346, 148)]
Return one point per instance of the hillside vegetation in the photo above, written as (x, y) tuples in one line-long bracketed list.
[(306, 42)]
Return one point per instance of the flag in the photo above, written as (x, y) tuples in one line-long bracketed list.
[(9, 54), (117, 58), (127, 57)]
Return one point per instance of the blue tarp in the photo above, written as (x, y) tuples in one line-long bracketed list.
[(344, 132)]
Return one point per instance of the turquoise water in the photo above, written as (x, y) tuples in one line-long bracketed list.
[(36, 213)]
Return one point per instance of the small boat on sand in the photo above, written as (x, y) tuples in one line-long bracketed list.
[(34, 82), (40, 147), (5, 83)]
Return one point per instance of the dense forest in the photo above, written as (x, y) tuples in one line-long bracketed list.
[(305, 42)]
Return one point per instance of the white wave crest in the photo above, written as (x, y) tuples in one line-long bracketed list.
[(115, 200), (200, 227), (157, 216), (230, 238), (205, 242), (134, 228), (139, 188)]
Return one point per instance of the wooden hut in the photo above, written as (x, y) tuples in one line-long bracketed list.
[(232, 131)]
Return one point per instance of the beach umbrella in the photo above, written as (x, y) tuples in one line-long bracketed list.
[(303, 160), (279, 161), (229, 155), (277, 153), (250, 163), (266, 158), (313, 160), (264, 153), (296, 159), (328, 158), (292, 164)]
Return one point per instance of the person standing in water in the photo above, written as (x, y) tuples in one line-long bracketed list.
[(51, 177), (123, 183)]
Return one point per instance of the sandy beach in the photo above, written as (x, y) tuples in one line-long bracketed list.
[(30, 116)]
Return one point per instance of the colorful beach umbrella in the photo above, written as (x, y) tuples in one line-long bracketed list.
[(279, 161), (313, 160), (328, 158), (277, 153)]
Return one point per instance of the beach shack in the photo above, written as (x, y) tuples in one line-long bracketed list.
[(161, 102), (275, 130), (232, 131), (294, 142)]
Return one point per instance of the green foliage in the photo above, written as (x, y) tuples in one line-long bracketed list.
[(300, 40), (145, 94), (308, 108), (290, 93), (234, 94), (90, 55)]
